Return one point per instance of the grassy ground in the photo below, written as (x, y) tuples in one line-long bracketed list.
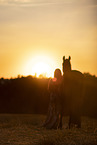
[(27, 130)]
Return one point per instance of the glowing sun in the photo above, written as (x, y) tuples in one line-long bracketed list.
[(40, 65), (41, 68)]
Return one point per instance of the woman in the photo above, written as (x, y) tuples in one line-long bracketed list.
[(54, 111)]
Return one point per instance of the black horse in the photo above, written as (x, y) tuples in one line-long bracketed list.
[(72, 91)]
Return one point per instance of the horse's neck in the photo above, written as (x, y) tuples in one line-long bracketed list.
[(67, 75), (67, 72)]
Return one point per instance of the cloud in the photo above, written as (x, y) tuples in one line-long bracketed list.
[(14, 2), (33, 2), (73, 4), (89, 3)]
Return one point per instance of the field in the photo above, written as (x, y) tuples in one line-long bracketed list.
[(25, 129)]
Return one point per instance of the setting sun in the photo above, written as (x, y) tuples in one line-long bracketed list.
[(40, 65), (41, 68)]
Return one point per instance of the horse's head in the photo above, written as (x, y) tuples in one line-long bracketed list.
[(66, 64)]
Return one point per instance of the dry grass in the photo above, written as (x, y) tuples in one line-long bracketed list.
[(27, 130)]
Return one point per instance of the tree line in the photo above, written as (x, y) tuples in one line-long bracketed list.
[(30, 95)]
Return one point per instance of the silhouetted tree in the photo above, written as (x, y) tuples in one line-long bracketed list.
[(30, 95)]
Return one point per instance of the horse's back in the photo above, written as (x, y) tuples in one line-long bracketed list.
[(76, 75)]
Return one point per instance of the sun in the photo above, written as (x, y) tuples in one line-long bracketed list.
[(41, 68), (40, 65)]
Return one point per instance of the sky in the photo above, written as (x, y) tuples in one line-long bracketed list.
[(42, 31)]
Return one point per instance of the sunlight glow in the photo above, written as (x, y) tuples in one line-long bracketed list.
[(41, 68), (40, 65)]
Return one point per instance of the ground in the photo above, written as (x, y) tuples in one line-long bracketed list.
[(25, 129)]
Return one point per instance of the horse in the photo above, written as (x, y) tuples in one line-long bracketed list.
[(72, 91)]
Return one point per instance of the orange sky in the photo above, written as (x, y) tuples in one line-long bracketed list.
[(37, 28)]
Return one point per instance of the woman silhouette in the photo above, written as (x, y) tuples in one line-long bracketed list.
[(54, 110)]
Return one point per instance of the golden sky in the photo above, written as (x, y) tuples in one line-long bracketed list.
[(31, 30)]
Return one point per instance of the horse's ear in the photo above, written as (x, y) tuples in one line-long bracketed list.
[(63, 58), (69, 57)]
